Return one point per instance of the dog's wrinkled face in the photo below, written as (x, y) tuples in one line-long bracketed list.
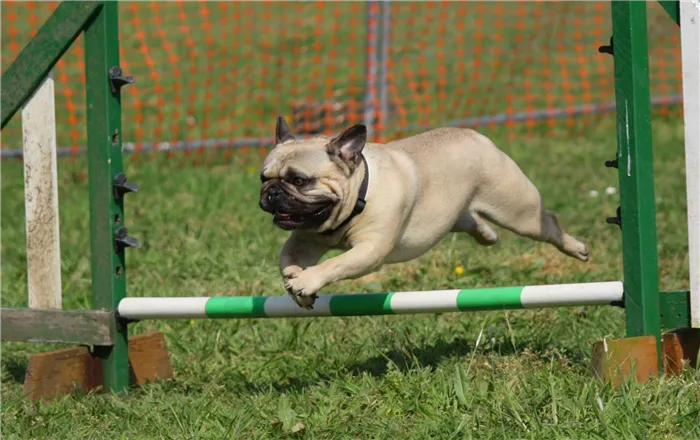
[(306, 183)]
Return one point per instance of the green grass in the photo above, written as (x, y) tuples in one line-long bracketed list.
[(410, 377)]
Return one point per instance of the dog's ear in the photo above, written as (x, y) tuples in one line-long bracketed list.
[(348, 145), (282, 131)]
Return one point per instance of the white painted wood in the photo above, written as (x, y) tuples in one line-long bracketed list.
[(690, 52), (436, 301), (558, 295), (165, 308), (41, 198)]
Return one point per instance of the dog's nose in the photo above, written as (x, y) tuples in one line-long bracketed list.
[(269, 198), (274, 191)]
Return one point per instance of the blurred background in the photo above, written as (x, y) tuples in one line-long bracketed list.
[(215, 74)]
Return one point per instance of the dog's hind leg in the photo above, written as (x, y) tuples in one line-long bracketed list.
[(475, 226), (522, 211)]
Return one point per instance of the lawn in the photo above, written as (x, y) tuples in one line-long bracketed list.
[(411, 377)]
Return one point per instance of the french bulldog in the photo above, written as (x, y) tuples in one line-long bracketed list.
[(390, 203)]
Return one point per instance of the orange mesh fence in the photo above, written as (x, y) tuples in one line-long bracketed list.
[(216, 74), (517, 64)]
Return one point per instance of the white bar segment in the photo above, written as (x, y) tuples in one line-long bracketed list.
[(284, 305), (433, 301), (571, 294), (690, 53), (41, 198), (163, 308)]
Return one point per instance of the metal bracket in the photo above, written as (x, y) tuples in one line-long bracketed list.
[(617, 220), (620, 303), (122, 239), (117, 79), (609, 49), (121, 186)]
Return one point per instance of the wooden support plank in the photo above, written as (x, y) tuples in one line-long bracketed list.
[(56, 373), (615, 360), (148, 358), (681, 346), (41, 199), (85, 327)]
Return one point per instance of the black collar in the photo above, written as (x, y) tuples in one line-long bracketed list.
[(360, 204)]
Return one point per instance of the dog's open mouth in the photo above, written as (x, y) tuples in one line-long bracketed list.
[(302, 220)]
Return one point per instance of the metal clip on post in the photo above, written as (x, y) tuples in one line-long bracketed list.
[(117, 79), (121, 186), (121, 235), (122, 239), (609, 49), (617, 220)]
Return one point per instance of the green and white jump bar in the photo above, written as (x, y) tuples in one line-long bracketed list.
[(368, 304)]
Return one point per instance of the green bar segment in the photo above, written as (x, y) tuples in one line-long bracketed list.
[(236, 307), (361, 305), (489, 299)]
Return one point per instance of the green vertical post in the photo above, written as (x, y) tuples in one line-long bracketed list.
[(636, 169), (105, 162)]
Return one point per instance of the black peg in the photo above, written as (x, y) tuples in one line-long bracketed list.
[(613, 221), (122, 239), (611, 163), (117, 79), (609, 49), (121, 186), (620, 303), (617, 220)]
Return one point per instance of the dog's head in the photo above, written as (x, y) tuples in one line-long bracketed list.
[(311, 183)]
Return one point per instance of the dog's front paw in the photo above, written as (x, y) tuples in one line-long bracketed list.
[(303, 288), (290, 272), (305, 302)]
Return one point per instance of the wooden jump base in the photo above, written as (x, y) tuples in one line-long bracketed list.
[(53, 374), (372, 304)]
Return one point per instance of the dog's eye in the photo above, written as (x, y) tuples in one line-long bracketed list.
[(298, 181), (264, 178)]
